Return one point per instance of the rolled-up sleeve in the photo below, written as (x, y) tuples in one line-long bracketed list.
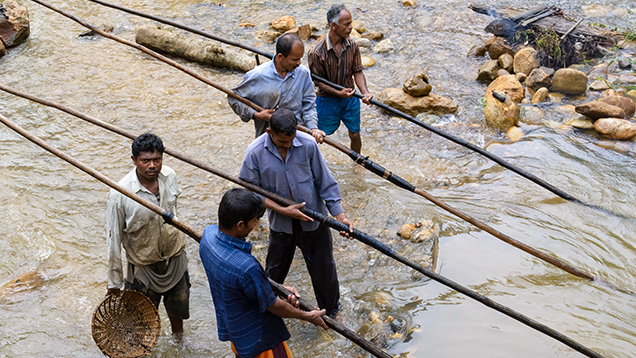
[(115, 223)]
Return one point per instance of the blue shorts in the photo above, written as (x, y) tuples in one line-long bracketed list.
[(332, 110)]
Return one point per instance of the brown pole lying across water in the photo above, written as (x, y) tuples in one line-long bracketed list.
[(171, 219), (187, 229), (411, 119), (371, 166)]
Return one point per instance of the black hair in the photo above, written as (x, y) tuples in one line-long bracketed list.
[(239, 204), (285, 43), (333, 14), (147, 142), (283, 121)]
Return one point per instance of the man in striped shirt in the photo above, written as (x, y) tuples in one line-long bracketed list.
[(336, 58)]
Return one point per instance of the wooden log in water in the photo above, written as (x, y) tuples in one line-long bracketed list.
[(201, 51), (555, 21)]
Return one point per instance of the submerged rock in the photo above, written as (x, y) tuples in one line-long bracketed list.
[(514, 134), (268, 36), (384, 46)]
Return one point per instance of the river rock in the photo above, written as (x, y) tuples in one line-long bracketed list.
[(488, 71), (598, 70), (425, 232), (631, 94), (364, 43), (3, 51), (193, 48), (406, 231), (501, 116), (267, 35), (373, 35), (569, 81), (626, 104), (502, 72), (526, 60), (15, 28), (358, 26), (367, 61), (580, 123), (505, 62), (283, 24), (521, 77), (599, 85), (508, 85), (409, 2), (616, 128), (354, 34), (304, 32), (417, 85), (499, 47), (623, 64), (537, 79), (476, 51), (540, 95), (597, 109), (514, 134), (431, 104), (384, 46), (627, 78)]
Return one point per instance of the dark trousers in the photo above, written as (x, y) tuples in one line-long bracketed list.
[(317, 249)]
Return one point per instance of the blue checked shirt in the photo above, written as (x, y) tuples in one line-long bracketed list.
[(241, 293), (305, 175)]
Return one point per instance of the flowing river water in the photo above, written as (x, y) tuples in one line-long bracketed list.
[(53, 216)]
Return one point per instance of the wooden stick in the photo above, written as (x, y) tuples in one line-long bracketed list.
[(185, 228), (409, 118), (357, 234), (572, 28), (364, 162)]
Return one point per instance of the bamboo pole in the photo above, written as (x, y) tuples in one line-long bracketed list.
[(366, 163), (171, 219), (399, 113)]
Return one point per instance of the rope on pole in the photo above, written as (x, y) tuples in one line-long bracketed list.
[(333, 223), (411, 119)]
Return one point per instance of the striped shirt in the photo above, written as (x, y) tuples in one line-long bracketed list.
[(337, 68)]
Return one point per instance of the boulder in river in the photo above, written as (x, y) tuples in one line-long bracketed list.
[(626, 104), (14, 23), (537, 79), (488, 71), (501, 115), (506, 62), (508, 85), (194, 49), (283, 24), (526, 60), (616, 128), (569, 81), (358, 26), (498, 46), (304, 32), (373, 35), (417, 85), (597, 109), (431, 104)]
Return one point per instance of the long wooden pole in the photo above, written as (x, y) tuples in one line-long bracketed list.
[(399, 113), (368, 164), (331, 222), (170, 218)]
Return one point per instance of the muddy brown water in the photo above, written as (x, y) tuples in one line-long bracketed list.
[(54, 215)]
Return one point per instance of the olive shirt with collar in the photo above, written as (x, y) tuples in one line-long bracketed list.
[(143, 233)]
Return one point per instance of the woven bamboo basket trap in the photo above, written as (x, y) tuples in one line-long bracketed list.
[(126, 325)]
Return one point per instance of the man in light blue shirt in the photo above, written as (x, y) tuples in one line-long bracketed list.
[(281, 83), (289, 164)]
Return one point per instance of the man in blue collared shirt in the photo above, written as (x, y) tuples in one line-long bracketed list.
[(281, 83), (290, 165), (247, 311)]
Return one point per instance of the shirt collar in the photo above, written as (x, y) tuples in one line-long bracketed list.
[(272, 69), (240, 244), (271, 147), (345, 41), (136, 184)]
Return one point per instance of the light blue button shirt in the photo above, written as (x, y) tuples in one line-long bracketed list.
[(305, 175), (265, 87)]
